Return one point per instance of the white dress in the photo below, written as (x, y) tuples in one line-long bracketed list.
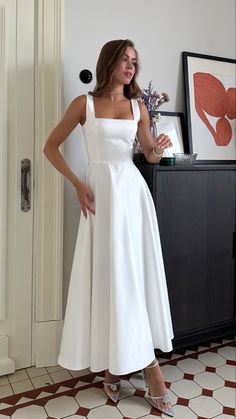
[(117, 307)]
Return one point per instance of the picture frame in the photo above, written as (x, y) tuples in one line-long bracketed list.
[(209, 90), (173, 125)]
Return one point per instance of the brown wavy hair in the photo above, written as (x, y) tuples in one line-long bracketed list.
[(108, 59)]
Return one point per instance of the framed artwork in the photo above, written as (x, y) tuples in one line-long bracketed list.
[(210, 98), (172, 124)]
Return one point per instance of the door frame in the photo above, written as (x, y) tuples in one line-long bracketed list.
[(3, 163), (6, 363), (49, 185)]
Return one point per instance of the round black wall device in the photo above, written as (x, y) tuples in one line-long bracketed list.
[(86, 76)]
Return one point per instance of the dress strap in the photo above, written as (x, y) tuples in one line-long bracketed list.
[(135, 108), (90, 106)]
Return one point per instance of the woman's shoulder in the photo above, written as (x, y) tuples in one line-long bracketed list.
[(77, 108), (79, 100), (142, 106), (143, 110)]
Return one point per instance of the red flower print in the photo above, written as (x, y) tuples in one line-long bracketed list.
[(213, 99)]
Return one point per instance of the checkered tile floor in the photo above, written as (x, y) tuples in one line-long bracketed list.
[(201, 382)]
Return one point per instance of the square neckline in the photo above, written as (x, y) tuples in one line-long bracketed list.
[(113, 119)]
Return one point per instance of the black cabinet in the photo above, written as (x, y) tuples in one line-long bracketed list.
[(196, 215)]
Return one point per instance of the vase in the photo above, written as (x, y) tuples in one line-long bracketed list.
[(154, 117)]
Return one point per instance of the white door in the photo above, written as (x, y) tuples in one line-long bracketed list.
[(16, 298), (30, 190)]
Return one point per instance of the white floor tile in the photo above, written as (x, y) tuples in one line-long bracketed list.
[(172, 396), (134, 407), (175, 356), (212, 359), (182, 412), (30, 412), (91, 397), (188, 352), (4, 380), (35, 372), (209, 380), (228, 372), (41, 381), (23, 400), (19, 375), (22, 386), (105, 412), (55, 368), (206, 406), (138, 382), (6, 391), (60, 376), (186, 389), (61, 389), (5, 406), (226, 396), (191, 366), (43, 394), (201, 348), (79, 373), (171, 373), (148, 417), (61, 407), (127, 389), (74, 417), (97, 378), (80, 384), (228, 352)]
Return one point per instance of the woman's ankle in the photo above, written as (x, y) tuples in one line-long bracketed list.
[(149, 366)]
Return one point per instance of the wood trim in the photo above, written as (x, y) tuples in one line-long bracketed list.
[(48, 225), (3, 162), (7, 365), (50, 332)]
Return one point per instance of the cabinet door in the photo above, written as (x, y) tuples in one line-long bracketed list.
[(196, 215), (220, 266)]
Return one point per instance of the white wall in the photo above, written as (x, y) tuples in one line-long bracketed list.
[(161, 30)]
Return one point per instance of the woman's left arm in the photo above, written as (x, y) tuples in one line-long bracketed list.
[(152, 148)]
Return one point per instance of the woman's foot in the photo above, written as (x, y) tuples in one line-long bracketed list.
[(157, 394), (112, 386), (155, 380)]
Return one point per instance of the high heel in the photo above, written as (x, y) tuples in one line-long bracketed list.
[(112, 390), (158, 402)]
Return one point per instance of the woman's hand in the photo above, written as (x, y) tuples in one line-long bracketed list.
[(85, 197), (153, 155), (162, 142)]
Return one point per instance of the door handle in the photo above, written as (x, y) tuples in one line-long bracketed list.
[(25, 185)]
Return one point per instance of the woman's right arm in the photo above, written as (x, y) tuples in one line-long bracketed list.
[(75, 113)]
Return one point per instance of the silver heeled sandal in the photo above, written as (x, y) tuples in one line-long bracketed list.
[(158, 402), (112, 390)]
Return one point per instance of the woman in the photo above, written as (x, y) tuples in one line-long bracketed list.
[(117, 308)]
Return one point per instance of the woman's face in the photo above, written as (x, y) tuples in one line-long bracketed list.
[(125, 69)]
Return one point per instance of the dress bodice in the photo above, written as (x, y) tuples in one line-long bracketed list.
[(109, 139)]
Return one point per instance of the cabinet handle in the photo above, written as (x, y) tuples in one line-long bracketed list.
[(25, 185)]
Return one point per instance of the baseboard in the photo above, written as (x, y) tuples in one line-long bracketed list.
[(47, 343), (7, 365)]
